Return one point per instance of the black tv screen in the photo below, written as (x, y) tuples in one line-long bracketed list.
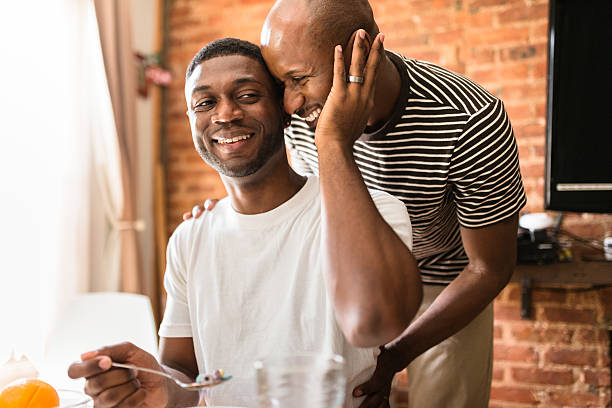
[(579, 110)]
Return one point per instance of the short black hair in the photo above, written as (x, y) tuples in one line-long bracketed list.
[(223, 47)]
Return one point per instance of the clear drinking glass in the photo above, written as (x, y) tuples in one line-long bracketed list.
[(301, 381)]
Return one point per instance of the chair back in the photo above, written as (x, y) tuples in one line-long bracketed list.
[(93, 320)]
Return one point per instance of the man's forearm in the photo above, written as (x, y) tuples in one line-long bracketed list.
[(454, 308), (371, 275)]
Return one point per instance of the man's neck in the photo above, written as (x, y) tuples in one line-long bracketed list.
[(268, 190), (388, 86)]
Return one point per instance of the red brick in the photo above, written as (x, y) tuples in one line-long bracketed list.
[(539, 31), (483, 19), (523, 52), (497, 332), (533, 170), (442, 4), (569, 315), (541, 376), (436, 21), (525, 354), (519, 112), (540, 110), (498, 36), (426, 55), (606, 300), (481, 55), (537, 130), (541, 335), (539, 295), (410, 39), (572, 357), (507, 312), (498, 374), (476, 5), (447, 37), (599, 378), (574, 399), (513, 394), (523, 13), (590, 336), (524, 91)]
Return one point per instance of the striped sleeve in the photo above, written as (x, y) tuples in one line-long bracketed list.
[(484, 170)]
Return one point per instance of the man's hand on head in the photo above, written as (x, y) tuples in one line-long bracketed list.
[(351, 99), (198, 210)]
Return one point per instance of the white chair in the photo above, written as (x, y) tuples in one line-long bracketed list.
[(93, 320)]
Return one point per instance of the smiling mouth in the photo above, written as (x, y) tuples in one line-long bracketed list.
[(314, 115), (234, 139)]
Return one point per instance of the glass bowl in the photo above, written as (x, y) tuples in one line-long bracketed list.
[(74, 399)]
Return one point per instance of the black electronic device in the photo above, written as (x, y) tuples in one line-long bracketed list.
[(579, 110), (536, 248), (537, 238)]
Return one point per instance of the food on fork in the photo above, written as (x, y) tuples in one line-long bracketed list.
[(29, 393), (216, 377)]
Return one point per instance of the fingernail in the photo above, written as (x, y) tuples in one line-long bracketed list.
[(105, 363), (207, 204), (339, 48), (361, 34), (357, 392), (88, 355), (382, 38)]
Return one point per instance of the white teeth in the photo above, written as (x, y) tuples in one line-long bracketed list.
[(233, 139), (315, 114)]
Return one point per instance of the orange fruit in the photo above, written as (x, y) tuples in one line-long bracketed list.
[(30, 393)]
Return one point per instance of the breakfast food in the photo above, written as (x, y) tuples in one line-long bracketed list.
[(29, 393), (213, 378)]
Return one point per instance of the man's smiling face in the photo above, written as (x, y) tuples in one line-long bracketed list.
[(306, 71), (235, 114)]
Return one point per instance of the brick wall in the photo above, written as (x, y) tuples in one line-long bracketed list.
[(559, 358)]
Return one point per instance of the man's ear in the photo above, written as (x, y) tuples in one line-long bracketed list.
[(348, 50)]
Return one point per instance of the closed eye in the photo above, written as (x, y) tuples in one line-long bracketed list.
[(298, 78), (248, 98)]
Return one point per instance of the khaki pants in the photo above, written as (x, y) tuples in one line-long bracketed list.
[(457, 372)]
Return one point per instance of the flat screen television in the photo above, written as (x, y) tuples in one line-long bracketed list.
[(579, 107)]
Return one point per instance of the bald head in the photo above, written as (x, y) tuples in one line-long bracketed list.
[(320, 23)]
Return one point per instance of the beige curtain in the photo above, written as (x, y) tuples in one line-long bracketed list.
[(116, 41)]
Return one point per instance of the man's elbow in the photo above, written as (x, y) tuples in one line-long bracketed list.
[(376, 328)]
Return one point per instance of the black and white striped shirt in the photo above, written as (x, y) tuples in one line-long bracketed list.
[(448, 152)]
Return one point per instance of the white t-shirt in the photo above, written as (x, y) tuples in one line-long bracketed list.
[(249, 286)]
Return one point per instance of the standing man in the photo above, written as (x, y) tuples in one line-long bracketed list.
[(445, 147)]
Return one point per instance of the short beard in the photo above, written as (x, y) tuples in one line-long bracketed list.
[(269, 147)]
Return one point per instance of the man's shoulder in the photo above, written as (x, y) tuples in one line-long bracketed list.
[(190, 228), (432, 82)]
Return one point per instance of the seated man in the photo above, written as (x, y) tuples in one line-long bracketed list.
[(286, 263)]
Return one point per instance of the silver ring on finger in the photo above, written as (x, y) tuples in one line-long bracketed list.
[(355, 79)]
